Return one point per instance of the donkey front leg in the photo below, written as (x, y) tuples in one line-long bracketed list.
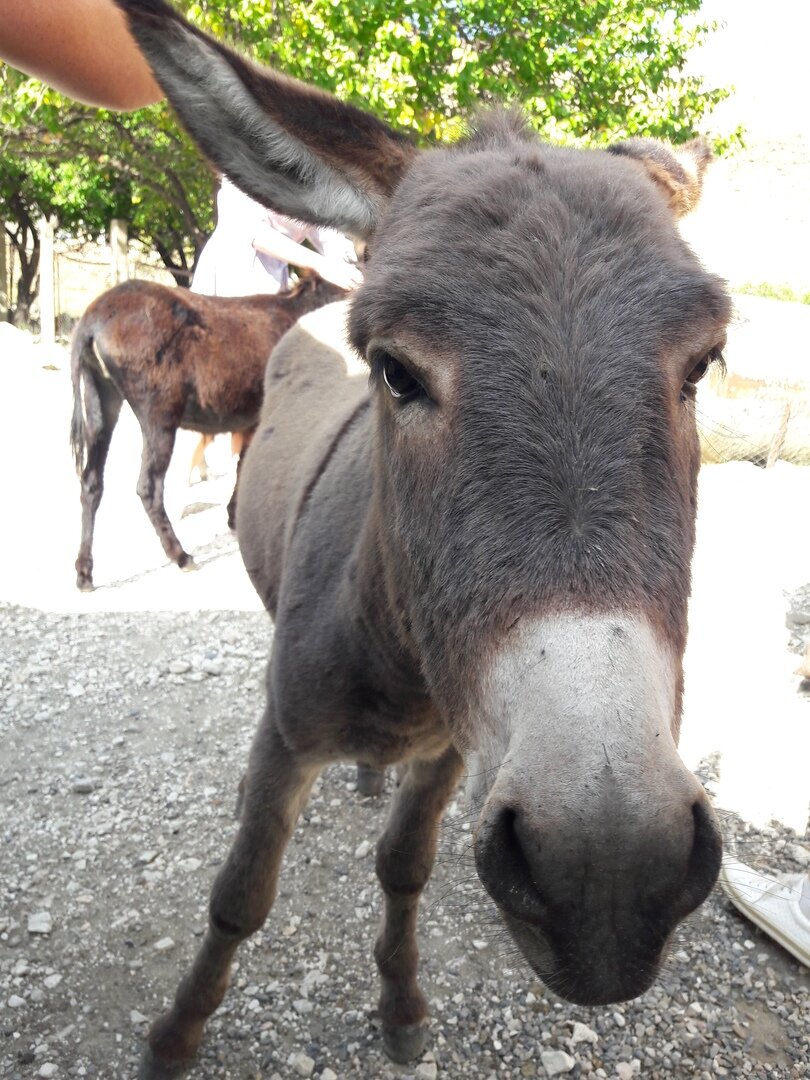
[(158, 444), (276, 787), (405, 857)]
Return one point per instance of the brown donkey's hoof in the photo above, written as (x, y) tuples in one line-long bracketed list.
[(153, 1069), (405, 1043), (85, 584), (186, 562), (370, 781)]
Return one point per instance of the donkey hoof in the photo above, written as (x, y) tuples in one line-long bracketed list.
[(405, 1042), (151, 1068), (85, 583), (186, 562), (370, 781)]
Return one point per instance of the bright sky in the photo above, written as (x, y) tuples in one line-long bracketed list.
[(762, 50)]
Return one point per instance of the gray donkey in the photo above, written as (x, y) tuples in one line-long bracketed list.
[(479, 556)]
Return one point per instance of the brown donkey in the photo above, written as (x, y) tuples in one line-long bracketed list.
[(479, 557), (181, 360)]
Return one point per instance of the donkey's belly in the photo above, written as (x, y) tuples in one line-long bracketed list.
[(209, 421)]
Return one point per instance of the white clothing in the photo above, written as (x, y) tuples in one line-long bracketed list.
[(229, 264)]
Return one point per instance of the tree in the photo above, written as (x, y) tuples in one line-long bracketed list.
[(88, 166), (585, 70)]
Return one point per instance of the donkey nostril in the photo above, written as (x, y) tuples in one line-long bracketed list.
[(704, 858), (505, 869)]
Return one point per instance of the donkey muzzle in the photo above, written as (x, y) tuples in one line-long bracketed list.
[(594, 839)]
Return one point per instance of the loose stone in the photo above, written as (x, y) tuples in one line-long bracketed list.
[(556, 1062), (303, 1065), (40, 923)]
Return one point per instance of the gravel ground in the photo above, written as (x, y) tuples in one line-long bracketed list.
[(125, 718)]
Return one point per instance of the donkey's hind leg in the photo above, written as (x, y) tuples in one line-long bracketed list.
[(102, 408), (158, 444), (241, 440), (276, 787), (405, 856)]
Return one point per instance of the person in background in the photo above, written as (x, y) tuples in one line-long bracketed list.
[(251, 249)]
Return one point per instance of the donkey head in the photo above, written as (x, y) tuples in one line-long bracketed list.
[(535, 328)]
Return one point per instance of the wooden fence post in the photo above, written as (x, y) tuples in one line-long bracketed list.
[(119, 250), (4, 268), (47, 286)]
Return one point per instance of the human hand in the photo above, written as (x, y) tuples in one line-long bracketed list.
[(343, 274)]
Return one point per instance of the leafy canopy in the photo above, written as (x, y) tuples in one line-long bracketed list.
[(585, 70)]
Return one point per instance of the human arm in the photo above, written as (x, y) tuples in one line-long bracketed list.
[(81, 47), (278, 246)]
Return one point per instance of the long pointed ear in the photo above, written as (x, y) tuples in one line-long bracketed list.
[(677, 170), (292, 147)]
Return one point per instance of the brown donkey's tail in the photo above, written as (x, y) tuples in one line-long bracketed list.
[(86, 399)]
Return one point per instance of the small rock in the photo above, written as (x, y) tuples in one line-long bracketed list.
[(556, 1062), (302, 1006), (16, 1002), (164, 945), (303, 1065), (179, 667), (426, 1070), (327, 1074), (624, 1070), (48, 1069), (84, 785), (479, 944), (190, 865), (40, 923), (212, 667), (362, 849), (137, 1018), (52, 981), (582, 1033)]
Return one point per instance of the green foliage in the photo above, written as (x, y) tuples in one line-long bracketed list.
[(773, 292), (587, 71), (86, 166)]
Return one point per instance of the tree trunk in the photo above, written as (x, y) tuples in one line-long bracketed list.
[(47, 282), (119, 250), (4, 285)]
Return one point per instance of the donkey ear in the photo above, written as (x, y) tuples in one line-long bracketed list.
[(677, 170), (292, 147)]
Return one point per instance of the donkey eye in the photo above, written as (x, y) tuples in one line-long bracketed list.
[(699, 370), (398, 379), (715, 355)]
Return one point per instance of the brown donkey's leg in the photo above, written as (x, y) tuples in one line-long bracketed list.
[(158, 444), (240, 441), (370, 779), (102, 416), (405, 856), (276, 787), (198, 461)]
